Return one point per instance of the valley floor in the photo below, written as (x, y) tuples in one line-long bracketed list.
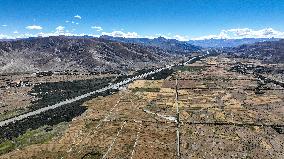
[(220, 112)]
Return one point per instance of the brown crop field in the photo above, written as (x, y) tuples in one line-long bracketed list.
[(221, 115)]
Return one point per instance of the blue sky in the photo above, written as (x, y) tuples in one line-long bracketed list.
[(180, 19)]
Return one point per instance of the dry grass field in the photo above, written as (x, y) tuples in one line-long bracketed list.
[(220, 116)]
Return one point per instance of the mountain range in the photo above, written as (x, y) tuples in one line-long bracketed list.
[(220, 43), (188, 46), (173, 45), (76, 53), (268, 51), (59, 53)]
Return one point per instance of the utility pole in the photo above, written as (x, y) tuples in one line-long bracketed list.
[(177, 120)]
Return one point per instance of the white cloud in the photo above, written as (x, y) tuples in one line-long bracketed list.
[(59, 28), (4, 25), (136, 35), (250, 33), (244, 33), (77, 23), (57, 34), (224, 34), (181, 38), (160, 35), (122, 34), (98, 28), (3, 36), (34, 27), (221, 35), (72, 22), (16, 32), (66, 21), (78, 16)]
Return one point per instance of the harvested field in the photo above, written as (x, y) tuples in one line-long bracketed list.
[(219, 117)]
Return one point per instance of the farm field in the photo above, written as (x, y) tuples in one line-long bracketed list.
[(222, 114)]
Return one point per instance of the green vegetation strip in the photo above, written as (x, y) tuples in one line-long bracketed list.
[(11, 113), (37, 136)]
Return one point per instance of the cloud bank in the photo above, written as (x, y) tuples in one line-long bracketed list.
[(34, 27), (78, 16), (98, 28), (122, 34), (237, 33), (136, 35), (59, 29), (240, 33)]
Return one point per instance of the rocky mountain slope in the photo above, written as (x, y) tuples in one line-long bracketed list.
[(219, 43), (83, 54), (269, 51), (172, 45)]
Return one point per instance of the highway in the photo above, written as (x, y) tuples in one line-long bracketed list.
[(112, 86), (68, 101)]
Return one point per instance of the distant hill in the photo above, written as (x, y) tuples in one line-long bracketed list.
[(269, 51), (172, 45), (71, 53), (219, 43)]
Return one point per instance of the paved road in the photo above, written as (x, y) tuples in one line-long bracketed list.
[(68, 101)]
